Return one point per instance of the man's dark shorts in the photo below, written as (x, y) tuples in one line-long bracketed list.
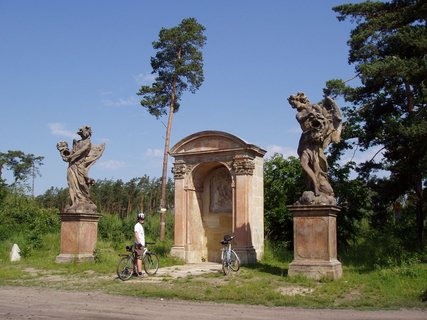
[(139, 249)]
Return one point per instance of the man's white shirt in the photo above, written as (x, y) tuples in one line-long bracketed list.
[(139, 229)]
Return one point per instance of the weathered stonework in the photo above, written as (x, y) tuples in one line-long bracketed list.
[(78, 237), (79, 220), (179, 170), (243, 165), (218, 191), (80, 158), (321, 124), (315, 242)]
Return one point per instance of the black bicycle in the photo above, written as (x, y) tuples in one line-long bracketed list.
[(127, 265)]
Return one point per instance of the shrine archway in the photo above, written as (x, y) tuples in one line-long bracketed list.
[(218, 191)]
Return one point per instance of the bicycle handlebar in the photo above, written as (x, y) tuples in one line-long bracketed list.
[(227, 239)]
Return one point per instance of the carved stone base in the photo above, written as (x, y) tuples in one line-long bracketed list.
[(178, 252), (315, 242), (247, 255), (316, 269), (67, 258), (78, 237)]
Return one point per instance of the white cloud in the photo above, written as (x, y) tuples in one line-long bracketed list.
[(131, 101), (285, 151), (153, 153), (145, 78), (112, 164), (58, 129)]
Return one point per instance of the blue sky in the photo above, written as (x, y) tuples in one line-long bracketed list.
[(64, 64)]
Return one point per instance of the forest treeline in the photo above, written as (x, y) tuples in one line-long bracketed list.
[(116, 196)]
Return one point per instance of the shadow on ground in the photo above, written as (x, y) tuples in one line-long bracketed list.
[(283, 272)]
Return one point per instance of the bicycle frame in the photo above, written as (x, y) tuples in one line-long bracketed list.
[(229, 258), (226, 251)]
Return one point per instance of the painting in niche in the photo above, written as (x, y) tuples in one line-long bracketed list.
[(220, 191)]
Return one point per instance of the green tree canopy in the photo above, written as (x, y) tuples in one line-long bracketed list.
[(21, 164), (283, 185), (388, 48), (178, 66)]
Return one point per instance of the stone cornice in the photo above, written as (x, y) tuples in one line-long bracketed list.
[(243, 165)]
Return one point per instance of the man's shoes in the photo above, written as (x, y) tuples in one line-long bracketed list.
[(140, 275)]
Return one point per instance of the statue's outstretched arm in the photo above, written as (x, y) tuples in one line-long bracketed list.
[(82, 150)]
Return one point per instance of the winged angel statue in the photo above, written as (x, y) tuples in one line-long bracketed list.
[(321, 124), (82, 156)]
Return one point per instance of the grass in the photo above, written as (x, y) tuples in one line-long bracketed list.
[(265, 283)]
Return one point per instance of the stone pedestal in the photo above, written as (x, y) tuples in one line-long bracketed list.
[(315, 242), (78, 237)]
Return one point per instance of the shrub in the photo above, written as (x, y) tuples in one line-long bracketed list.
[(110, 227), (21, 215), (163, 248), (379, 249)]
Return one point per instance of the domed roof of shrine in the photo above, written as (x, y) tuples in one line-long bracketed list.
[(212, 142)]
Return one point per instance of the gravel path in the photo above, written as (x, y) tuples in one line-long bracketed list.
[(43, 303)]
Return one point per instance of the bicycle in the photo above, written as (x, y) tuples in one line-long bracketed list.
[(229, 258), (127, 264)]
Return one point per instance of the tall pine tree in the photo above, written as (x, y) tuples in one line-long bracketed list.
[(178, 66), (388, 48)]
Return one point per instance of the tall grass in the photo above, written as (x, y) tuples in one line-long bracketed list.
[(378, 250)]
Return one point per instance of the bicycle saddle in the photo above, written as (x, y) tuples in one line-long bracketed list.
[(227, 239)]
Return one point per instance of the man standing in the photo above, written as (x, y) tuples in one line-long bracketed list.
[(139, 241)]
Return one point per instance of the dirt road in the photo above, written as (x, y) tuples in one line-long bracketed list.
[(43, 303)]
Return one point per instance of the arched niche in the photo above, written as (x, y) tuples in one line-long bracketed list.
[(218, 191)]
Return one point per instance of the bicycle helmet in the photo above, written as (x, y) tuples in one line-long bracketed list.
[(141, 216)]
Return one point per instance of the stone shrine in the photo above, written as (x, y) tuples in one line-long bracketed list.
[(218, 190)]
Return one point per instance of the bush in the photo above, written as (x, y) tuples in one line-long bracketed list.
[(21, 215), (110, 228), (379, 249), (162, 248)]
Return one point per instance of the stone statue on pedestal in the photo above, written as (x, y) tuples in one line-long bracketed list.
[(321, 124), (80, 158), (315, 240)]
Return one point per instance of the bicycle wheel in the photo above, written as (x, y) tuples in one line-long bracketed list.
[(224, 263), (151, 263), (225, 267), (125, 268), (234, 261)]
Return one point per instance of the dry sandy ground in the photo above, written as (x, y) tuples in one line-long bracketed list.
[(44, 303)]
